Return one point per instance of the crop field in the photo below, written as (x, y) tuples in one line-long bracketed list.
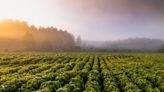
[(81, 72)]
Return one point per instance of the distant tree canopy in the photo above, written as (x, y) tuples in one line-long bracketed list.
[(78, 41), (127, 45), (161, 48), (17, 36)]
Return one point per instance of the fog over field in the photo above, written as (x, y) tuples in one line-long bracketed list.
[(81, 24), (81, 45)]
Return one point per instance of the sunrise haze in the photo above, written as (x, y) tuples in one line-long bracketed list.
[(97, 20)]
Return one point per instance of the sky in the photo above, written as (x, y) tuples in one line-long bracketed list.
[(97, 20)]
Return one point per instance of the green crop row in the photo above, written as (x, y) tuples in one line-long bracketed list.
[(81, 72)]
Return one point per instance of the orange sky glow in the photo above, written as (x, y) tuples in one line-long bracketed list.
[(104, 19)]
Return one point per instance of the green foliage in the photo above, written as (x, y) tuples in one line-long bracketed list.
[(81, 72)]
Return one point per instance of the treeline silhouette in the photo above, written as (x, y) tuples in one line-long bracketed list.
[(161, 49), (127, 45), (16, 35)]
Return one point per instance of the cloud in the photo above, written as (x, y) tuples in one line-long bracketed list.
[(133, 18), (107, 17), (114, 10)]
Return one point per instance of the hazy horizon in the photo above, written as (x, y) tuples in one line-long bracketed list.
[(97, 20)]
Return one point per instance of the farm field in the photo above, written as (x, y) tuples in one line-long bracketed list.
[(81, 72)]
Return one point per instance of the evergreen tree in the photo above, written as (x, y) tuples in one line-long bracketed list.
[(79, 41)]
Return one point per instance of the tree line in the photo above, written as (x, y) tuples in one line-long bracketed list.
[(16, 35), (126, 45)]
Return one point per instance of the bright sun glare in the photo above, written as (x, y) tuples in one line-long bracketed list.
[(38, 12)]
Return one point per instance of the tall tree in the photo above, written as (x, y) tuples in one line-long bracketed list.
[(28, 41), (79, 41)]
